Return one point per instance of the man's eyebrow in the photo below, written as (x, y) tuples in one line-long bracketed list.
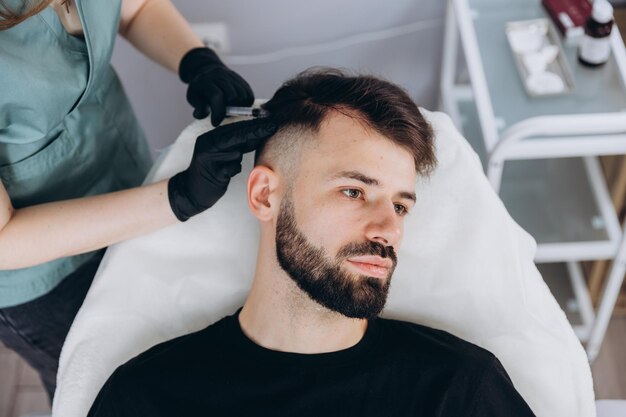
[(409, 195), (359, 176), (356, 175)]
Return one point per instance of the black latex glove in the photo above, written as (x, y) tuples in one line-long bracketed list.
[(212, 85), (216, 158)]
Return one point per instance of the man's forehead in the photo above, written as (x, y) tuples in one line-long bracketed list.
[(344, 144), (337, 125)]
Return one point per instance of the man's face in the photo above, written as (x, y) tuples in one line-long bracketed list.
[(339, 229)]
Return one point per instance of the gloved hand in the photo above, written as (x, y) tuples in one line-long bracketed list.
[(216, 158), (212, 85)]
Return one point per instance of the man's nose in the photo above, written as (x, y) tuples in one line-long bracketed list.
[(385, 225)]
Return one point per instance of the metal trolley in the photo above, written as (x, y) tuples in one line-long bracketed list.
[(540, 154)]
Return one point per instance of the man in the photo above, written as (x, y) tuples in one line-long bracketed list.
[(330, 190)]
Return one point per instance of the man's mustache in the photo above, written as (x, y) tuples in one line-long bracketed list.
[(368, 248)]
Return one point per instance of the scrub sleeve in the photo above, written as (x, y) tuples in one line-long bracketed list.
[(66, 130)]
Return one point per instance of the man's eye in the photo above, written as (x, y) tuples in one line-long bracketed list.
[(401, 210), (352, 192)]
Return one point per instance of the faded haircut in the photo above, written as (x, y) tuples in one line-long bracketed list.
[(301, 104)]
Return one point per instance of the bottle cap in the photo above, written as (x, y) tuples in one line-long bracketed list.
[(602, 11)]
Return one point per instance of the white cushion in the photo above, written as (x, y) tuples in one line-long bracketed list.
[(465, 266)]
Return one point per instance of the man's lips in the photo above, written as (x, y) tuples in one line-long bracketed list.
[(373, 266)]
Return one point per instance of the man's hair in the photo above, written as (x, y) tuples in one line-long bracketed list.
[(301, 104)]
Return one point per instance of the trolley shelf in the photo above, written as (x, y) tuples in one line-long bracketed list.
[(555, 200)]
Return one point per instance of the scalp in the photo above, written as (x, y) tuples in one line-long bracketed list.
[(284, 150)]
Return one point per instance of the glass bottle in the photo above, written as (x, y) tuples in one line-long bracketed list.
[(595, 47)]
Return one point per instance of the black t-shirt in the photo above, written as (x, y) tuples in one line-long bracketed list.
[(397, 369)]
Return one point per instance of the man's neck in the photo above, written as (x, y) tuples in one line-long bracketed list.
[(280, 316)]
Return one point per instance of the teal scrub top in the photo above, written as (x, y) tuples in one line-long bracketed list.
[(66, 127)]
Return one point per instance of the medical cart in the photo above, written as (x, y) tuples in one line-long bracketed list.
[(541, 153)]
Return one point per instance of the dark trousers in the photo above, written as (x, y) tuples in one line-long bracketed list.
[(36, 330)]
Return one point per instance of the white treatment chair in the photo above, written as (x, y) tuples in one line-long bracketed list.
[(465, 266)]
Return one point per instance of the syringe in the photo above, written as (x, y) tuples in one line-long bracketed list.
[(246, 111)]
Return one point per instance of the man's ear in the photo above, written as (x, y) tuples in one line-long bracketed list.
[(263, 198)]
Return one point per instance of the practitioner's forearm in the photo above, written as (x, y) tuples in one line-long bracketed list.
[(37, 234), (158, 30)]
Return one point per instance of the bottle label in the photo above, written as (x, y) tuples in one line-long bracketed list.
[(595, 50)]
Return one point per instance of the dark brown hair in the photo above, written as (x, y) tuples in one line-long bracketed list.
[(304, 101), (10, 17)]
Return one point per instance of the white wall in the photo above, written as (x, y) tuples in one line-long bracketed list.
[(412, 60)]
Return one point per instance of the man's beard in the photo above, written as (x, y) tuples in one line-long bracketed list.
[(322, 278)]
